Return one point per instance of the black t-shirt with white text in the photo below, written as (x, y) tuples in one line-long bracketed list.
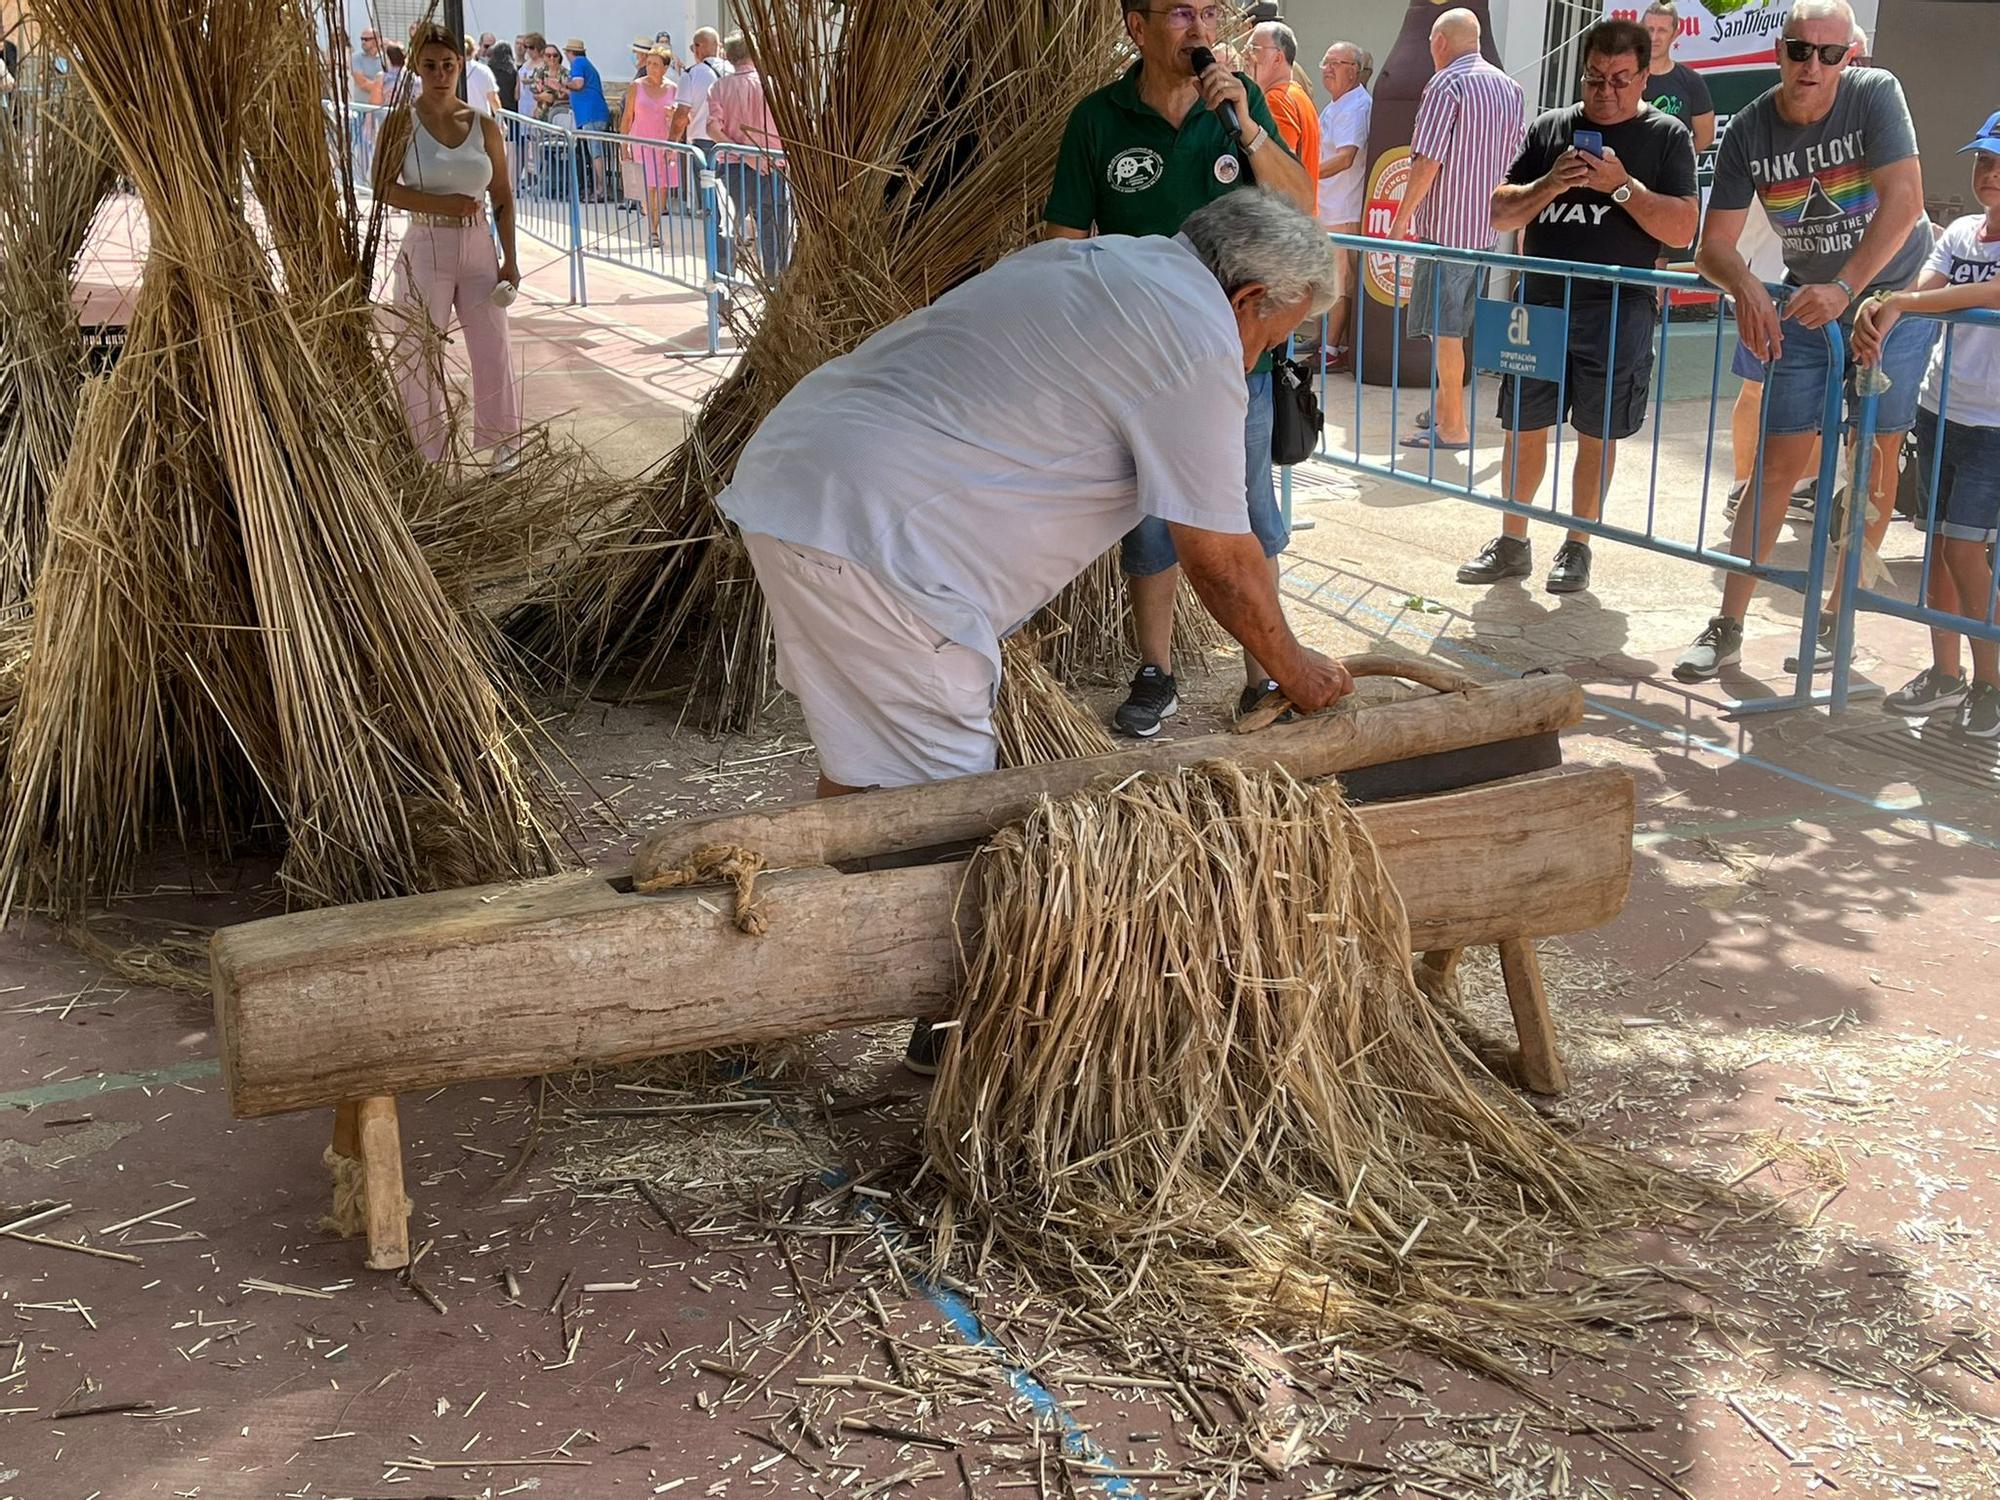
[(1655, 149), (1679, 92)]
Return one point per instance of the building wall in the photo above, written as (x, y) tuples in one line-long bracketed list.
[(1518, 26), (1944, 51)]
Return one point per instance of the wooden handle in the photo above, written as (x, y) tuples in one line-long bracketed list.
[(1420, 670)]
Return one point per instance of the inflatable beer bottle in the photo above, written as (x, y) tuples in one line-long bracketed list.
[(1397, 91)]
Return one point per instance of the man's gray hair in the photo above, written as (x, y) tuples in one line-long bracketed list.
[(1254, 236), (1821, 10), (706, 34), (1283, 35)]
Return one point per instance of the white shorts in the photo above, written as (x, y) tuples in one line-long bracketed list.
[(889, 701)]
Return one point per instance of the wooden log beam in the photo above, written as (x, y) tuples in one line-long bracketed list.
[(899, 819), (503, 981)]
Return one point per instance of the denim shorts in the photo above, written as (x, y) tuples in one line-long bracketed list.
[(1967, 505), (1148, 548), (1442, 294), (1588, 387), (1795, 387)]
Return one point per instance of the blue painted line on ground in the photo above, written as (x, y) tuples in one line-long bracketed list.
[(1900, 812), (109, 1083), (965, 1323)]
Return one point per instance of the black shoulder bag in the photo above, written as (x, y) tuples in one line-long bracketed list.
[(1297, 421)]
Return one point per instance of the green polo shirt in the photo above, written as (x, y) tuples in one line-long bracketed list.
[(1124, 170)]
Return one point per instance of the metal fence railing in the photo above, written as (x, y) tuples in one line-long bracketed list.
[(660, 208), (757, 214), (1676, 521)]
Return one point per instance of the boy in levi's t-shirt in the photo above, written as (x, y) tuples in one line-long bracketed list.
[(1958, 440)]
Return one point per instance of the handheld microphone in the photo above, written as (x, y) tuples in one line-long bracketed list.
[(1201, 59)]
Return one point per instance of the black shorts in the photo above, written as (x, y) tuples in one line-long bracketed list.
[(1586, 389)]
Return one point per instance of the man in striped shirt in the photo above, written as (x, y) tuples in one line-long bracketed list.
[(1469, 127)]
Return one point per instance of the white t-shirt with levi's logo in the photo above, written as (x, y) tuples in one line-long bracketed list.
[(1963, 256)]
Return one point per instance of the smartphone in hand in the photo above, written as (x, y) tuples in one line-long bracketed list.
[(1589, 140)]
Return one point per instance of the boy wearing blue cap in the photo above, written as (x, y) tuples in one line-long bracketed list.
[(1964, 510)]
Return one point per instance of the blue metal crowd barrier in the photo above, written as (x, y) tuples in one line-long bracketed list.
[(657, 207), (1974, 618), (756, 214), (1349, 448)]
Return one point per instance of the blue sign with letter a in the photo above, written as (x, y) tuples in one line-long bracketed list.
[(1515, 338)]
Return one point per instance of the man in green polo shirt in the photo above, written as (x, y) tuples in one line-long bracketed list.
[(1137, 158)]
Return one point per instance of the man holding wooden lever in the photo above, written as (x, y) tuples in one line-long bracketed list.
[(910, 503)]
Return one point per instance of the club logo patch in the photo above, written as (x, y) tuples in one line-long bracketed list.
[(1227, 168), (1134, 170)]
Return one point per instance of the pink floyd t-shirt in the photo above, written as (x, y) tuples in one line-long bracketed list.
[(1817, 182)]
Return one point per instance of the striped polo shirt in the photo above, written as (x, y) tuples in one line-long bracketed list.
[(1470, 122)]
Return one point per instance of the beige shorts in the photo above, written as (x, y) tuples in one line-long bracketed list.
[(888, 700)]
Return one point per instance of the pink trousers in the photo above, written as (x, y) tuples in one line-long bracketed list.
[(444, 271)]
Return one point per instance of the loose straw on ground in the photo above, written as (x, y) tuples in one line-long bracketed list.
[(1194, 1079)]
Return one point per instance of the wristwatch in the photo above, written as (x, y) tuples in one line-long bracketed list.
[(1252, 143), (1622, 193)]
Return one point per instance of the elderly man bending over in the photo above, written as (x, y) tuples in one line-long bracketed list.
[(910, 503)]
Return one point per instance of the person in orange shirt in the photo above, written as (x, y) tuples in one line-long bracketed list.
[(1271, 54)]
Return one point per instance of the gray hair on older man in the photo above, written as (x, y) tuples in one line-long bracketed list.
[(1255, 237)]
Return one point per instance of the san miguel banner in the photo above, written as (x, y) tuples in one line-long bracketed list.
[(1723, 36)]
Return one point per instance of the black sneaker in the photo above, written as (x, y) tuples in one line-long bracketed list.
[(1804, 503), (1255, 693), (1570, 572), (1927, 693), (1822, 652), (1151, 703), (926, 1048), (1715, 648), (1980, 717), (1735, 499), (1503, 557)]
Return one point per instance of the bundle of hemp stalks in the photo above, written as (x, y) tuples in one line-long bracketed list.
[(55, 168), (234, 626), (1195, 1080), (910, 170)]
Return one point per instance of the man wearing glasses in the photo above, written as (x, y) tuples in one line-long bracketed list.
[(1343, 175), (1831, 156), (1607, 182), (1137, 158)]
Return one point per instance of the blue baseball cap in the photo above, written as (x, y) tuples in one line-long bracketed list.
[(1988, 138)]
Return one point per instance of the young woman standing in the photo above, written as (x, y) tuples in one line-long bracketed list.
[(441, 163)]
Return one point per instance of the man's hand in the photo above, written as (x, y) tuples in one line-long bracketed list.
[(1757, 323), (1399, 227), (1606, 173), (1220, 86), (1571, 169), (1872, 322), (1816, 306), (1312, 681)]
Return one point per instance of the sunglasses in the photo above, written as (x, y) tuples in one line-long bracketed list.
[(1833, 54)]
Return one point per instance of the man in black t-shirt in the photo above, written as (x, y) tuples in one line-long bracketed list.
[(1612, 206), (1674, 88)]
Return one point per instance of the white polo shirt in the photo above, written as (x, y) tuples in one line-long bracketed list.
[(980, 453), (1344, 122)]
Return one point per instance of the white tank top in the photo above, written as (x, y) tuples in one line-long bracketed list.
[(430, 166)]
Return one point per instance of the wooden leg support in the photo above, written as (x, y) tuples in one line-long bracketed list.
[(382, 1170), (1443, 962), (367, 1143), (1541, 1068)]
